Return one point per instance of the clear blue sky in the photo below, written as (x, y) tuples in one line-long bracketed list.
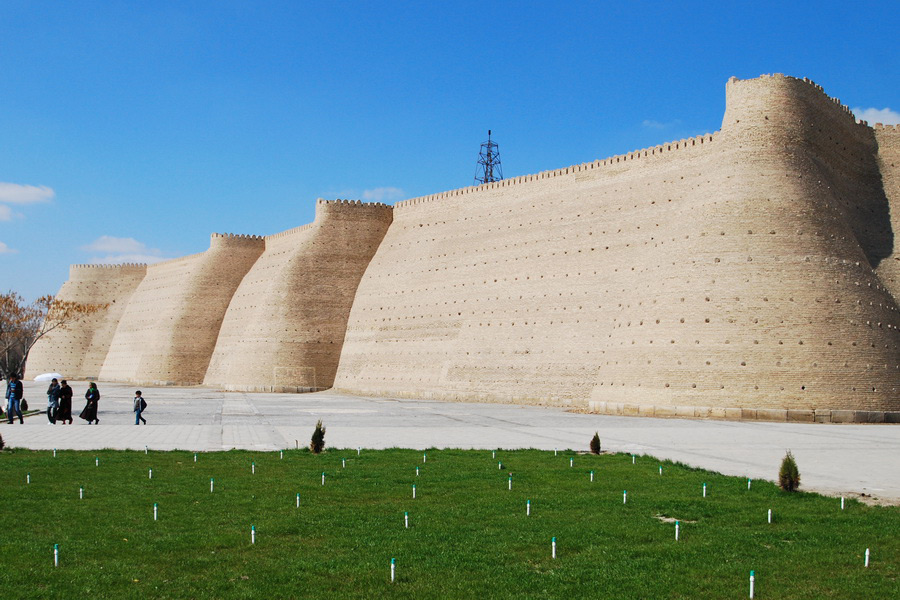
[(135, 129)]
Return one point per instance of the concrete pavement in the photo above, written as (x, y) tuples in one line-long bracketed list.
[(834, 459)]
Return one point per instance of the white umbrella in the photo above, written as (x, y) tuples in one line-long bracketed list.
[(48, 376)]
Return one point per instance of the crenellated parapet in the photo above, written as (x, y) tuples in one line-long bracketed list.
[(620, 160), (353, 209), (233, 240), (94, 270)]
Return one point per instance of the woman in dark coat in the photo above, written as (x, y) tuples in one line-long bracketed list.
[(64, 413), (92, 395)]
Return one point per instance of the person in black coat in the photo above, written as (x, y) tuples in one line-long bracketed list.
[(92, 395), (64, 412)]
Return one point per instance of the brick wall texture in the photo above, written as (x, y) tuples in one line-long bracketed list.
[(750, 270)]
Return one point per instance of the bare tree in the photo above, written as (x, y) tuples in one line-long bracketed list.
[(23, 324)]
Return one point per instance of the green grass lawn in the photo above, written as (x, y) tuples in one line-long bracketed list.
[(469, 536)]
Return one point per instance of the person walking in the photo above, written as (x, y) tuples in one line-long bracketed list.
[(52, 401), (139, 405), (92, 395), (64, 412), (14, 393)]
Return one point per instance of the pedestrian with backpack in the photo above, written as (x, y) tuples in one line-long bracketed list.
[(14, 393), (139, 405)]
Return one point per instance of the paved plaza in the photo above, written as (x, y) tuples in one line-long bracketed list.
[(833, 459)]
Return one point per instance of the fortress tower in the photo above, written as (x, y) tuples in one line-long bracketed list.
[(285, 327), (169, 329), (78, 351)]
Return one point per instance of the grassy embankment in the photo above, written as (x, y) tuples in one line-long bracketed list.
[(469, 535)]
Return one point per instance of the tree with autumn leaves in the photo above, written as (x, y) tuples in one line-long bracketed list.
[(23, 324)]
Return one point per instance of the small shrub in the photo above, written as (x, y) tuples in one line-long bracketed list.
[(318, 439), (595, 443), (788, 474)]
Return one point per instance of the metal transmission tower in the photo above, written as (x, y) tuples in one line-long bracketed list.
[(488, 168)]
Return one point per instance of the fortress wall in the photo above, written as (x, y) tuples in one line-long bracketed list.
[(169, 328), (887, 139), (501, 292), (78, 350), (728, 273), (285, 326)]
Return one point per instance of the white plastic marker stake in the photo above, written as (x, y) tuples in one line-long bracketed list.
[(54, 453), (592, 475), (414, 491), (553, 548), (406, 519), (632, 459), (81, 493), (253, 468), (417, 471), (424, 457), (867, 557), (499, 465), (752, 581), (154, 511), (96, 461), (298, 499), (252, 534), (28, 478), (281, 452), (358, 450), (150, 474), (493, 454), (748, 483), (770, 515), (842, 503), (528, 508), (195, 457), (393, 568), (704, 490), (677, 527), (555, 451), (146, 450), (55, 555), (323, 477), (210, 484), (660, 469), (571, 462), (510, 481), (343, 463), (624, 496)]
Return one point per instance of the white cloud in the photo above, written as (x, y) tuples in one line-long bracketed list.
[(4, 249), (122, 250), (875, 115), (5, 213), (651, 124), (14, 193), (383, 194), (116, 245)]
